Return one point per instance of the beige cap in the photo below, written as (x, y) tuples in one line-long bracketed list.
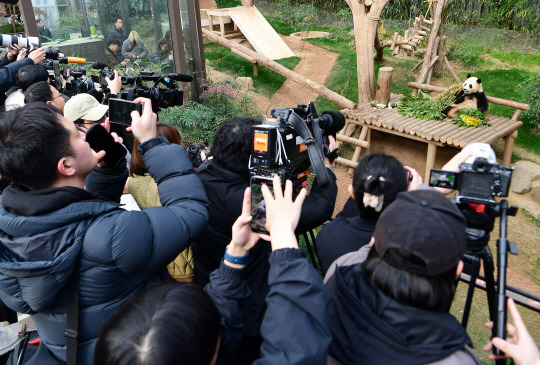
[(84, 106)]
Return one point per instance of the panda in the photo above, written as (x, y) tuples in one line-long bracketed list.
[(471, 96)]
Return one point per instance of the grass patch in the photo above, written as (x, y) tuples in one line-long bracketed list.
[(503, 84), (268, 81), (536, 223), (228, 3), (518, 59), (281, 27)]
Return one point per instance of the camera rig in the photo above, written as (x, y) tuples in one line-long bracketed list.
[(291, 140), (170, 95)]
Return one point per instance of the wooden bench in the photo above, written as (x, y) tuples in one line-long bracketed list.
[(434, 133)]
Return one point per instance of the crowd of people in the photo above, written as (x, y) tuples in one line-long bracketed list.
[(249, 297)]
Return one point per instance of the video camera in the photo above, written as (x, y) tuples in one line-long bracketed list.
[(166, 97), (291, 140)]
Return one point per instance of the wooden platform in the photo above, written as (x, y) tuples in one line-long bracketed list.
[(251, 24), (434, 133)]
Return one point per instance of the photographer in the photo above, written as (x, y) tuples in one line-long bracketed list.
[(46, 93), (8, 72), (390, 301), (225, 178), (51, 226), (26, 77), (185, 324)]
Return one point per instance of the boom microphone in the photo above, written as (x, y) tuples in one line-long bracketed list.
[(332, 121)]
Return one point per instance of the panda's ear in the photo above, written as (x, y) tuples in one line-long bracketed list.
[(479, 81), (468, 75)]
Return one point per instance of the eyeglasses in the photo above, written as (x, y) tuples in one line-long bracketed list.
[(57, 96)]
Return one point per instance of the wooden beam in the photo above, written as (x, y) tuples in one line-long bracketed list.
[(293, 76)]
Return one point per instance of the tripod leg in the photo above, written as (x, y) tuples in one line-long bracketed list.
[(472, 267), (490, 285)]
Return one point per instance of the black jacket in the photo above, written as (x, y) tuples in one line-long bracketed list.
[(341, 236), (369, 327), (225, 190), (295, 327), (7, 77), (120, 35)]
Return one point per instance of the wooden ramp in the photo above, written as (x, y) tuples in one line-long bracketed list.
[(259, 32)]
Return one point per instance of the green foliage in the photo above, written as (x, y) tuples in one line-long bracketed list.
[(221, 101), (281, 27), (228, 3), (301, 17), (338, 34), (517, 58), (466, 53), (531, 89), (8, 28), (71, 19), (268, 81), (470, 117), (423, 106)]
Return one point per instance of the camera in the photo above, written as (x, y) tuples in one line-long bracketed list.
[(194, 153), (478, 182), (78, 83), (25, 42), (291, 140)]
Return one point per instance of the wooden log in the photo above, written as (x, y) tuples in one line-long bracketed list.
[(431, 43), (424, 28), (428, 21), (441, 54), (355, 141), (394, 40), (430, 159), (451, 69), (345, 162), (491, 99), (421, 32), (419, 37), (504, 132), (293, 76), (473, 136), (417, 65), (406, 46), (508, 145), (357, 151)]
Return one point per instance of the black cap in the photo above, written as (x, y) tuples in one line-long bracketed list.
[(428, 226)]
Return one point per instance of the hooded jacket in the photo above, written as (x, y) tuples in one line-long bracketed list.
[(369, 327), (45, 235)]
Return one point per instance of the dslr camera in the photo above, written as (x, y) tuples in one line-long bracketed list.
[(478, 182)]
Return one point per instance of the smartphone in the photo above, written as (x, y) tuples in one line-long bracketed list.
[(120, 110), (258, 205), (443, 179), (100, 140)]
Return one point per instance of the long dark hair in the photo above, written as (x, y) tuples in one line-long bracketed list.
[(429, 292), (167, 324), (136, 164)]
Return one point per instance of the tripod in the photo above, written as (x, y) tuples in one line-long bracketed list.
[(496, 291)]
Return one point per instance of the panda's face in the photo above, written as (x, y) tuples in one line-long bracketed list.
[(472, 85)]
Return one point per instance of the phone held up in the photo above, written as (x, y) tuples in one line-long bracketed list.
[(100, 140), (120, 111), (258, 205)]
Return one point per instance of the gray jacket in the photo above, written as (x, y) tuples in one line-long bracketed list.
[(137, 49)]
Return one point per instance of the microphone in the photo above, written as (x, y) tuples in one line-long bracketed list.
[(332, 121), (99, 65), (179, 77)]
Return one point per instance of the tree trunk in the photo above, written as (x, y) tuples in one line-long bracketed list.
[(384, 81), (365, 31), (379, 48)]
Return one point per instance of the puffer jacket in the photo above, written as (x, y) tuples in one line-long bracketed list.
[(137, 49), (45, 234), (145, 192)]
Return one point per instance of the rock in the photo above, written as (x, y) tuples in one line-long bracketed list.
[(535, 192), (244, 83), (525, 172)]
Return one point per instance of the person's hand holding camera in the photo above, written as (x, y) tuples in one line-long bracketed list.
[(521, 346), (282, 214), (415, 180), (13, 51), (37, 56), (143, 126), (243, 239), (114, 85)]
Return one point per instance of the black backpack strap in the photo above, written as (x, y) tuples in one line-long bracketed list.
[(314, 146), (72, 323)]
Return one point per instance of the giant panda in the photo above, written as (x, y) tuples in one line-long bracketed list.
[(470, 96)]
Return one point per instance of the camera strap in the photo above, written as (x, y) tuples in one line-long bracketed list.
[(56, 70), (314, 146)]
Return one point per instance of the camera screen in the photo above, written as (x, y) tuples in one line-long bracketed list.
[(443, 179), (258, 205), (120, 111)]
